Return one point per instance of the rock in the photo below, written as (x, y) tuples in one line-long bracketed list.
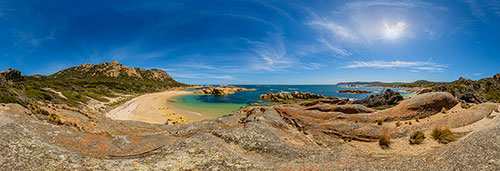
[(347, 109), (355, 91), (278, 97), (11, 74), (388, 98), (222, 90)]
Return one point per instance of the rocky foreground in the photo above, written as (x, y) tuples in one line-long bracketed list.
[(326, 134)]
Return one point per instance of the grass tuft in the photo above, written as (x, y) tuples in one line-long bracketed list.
[(379, 122), (444, 110), (417, 138), (398, 123), (443, 135), (384, 142)]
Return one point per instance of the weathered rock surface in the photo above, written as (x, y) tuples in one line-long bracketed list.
[(293, 136)]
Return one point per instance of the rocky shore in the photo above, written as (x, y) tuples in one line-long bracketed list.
[(319, 135), (355, 91), (279, 97), (222, 90)]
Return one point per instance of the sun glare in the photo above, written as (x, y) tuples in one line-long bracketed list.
[(393, 32)]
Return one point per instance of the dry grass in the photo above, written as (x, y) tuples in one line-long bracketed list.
[(384, 142), (398, 123), (417, 138), (444, 110), (443, 135)]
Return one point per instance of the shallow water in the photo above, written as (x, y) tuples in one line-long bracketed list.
[(214, 106)]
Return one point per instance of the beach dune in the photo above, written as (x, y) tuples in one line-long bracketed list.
[(153, 108)]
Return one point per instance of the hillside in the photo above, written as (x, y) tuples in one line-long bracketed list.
[(76, 86)]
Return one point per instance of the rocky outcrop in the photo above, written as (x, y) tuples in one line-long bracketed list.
[(278, 97), (112, 70), (388, 98), (11, 74), (470, 91), (355, 91), (222, 90)]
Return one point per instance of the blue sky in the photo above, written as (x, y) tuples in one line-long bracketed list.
[(257, 42)]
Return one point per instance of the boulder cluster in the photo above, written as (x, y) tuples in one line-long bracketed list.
[(278, 97), (388, 98), (11, 74), (222, 90)]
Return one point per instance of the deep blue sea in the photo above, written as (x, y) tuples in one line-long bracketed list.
[(214, 106)]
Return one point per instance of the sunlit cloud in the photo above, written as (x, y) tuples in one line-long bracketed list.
[(395, 31)]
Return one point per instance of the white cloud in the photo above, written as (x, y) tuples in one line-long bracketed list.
[(271, 54), (335, 49), (414, 66), (336, 30)]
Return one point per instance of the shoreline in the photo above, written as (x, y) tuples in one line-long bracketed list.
[(154, 108)]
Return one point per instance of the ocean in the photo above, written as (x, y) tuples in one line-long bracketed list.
[(214, 106)]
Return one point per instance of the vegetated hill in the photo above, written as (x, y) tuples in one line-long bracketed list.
[(112, 70), (75, 86), (467, 90), (418, 83)]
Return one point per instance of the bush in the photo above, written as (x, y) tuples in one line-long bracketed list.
[(398, 123), (417, 138), (443, 135), (384, 142), (444, 110)]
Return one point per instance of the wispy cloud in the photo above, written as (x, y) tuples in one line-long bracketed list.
[(363, 23), (414, 66), (271, 54)]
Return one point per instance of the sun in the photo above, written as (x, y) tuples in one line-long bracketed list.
[(393, 32)]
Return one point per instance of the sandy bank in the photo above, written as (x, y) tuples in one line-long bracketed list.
[(153, 108)]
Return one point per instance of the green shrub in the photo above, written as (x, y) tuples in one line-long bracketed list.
[(443, 135), (384, 142), (381, 107), (417, 138)]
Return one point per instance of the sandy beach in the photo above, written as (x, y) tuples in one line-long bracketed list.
[(153, 108)]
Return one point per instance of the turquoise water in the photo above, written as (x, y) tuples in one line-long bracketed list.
[(213, 106)]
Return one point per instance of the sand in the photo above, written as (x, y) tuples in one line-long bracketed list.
[(151, 108)]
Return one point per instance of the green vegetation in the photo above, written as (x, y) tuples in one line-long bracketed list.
[(417, 138), (419, 83), (384, 142), (443, 135), (381, 107), (78, 85), (493, 94)]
